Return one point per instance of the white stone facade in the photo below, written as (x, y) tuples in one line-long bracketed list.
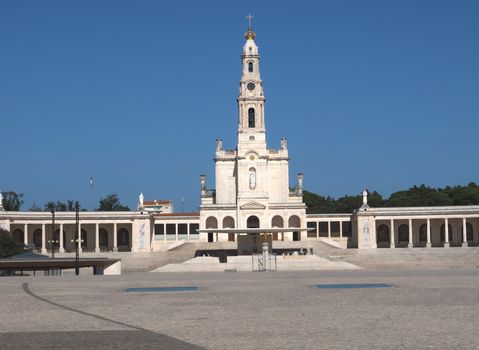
[(252, 181)]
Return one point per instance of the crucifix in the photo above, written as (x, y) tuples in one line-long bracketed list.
[(249, 18)]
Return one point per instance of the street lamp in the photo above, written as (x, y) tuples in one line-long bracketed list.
[(52, 240), (77, 233)]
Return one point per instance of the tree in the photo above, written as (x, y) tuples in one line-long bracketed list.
[(112, 203), (12, 201), (61, 206), (9, 246)]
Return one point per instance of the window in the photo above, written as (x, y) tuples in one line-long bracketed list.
[(250, 67), (251, 118)]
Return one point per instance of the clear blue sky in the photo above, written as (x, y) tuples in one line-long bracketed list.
[(382, 94)]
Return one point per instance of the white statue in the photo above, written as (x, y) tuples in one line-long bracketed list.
[(365, 197), (219, 144), (252, 178), (141, 199), (284, 143), (300, 183), (203, 184)]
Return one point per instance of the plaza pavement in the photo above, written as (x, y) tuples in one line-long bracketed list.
[(433, 304), (424, 309)]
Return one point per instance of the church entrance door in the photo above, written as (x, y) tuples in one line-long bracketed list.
[(296, 236)]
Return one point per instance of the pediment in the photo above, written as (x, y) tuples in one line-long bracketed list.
[(253, 205)]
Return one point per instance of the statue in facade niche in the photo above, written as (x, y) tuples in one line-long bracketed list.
[(252, 178), (284, 143)]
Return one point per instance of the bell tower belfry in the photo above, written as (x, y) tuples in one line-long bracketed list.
[(251, 124)]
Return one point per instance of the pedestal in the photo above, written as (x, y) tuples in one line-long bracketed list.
[(446, 244), (464, 244), (428, 245), (410, 245)]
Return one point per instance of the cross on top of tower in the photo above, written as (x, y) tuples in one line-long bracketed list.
[(249, 18)]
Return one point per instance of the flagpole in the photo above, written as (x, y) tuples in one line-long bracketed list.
[(91, 193)]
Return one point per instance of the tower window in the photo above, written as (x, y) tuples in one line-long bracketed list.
[(250, 67), (251, 121)]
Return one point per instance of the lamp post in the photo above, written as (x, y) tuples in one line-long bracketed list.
[(53, 233), (77, 235)]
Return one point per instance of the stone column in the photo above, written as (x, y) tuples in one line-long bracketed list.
[(115, 246), (410, 244), (428, 244), (25, 233), (446, 233), (97, 237), (392, 244), (317, 229), (188, 231), (341, 230), (44, 249), (62, 244), (329, 229), (464, 233), (176, 231)]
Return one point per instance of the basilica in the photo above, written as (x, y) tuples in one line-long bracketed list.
[(253, 201)]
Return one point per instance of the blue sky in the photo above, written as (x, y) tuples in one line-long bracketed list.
[(382, 94)]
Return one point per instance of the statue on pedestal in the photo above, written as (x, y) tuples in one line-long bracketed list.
[(365, 197), (284, 143), (141, 198), (300, 183), (219, 144), (203, 184)]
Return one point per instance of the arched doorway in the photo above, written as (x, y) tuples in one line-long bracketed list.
[(277, 222), (423, 234), (229, 222), (252, 222), (103, 240), (18, 236), (123, 239), (383, 236), (211, 222), (403, 235), (37, 238), (295, 222)]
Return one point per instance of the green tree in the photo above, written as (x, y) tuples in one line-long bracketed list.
[(12, 201), (112, 203), (9, 246), (61, 206)]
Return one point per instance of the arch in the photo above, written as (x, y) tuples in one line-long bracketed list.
[(469, 232), (37, 238), (383, 235), (211, 222), (251, 118), (103, 238), (294, 221), (443, 232), (277, 221), (228, 222), (250, 67), (423, 233), (18, 235), (123, 237), (252, 222), (403, 233)]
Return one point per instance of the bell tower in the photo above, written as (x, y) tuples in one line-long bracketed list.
[(251, 125)]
